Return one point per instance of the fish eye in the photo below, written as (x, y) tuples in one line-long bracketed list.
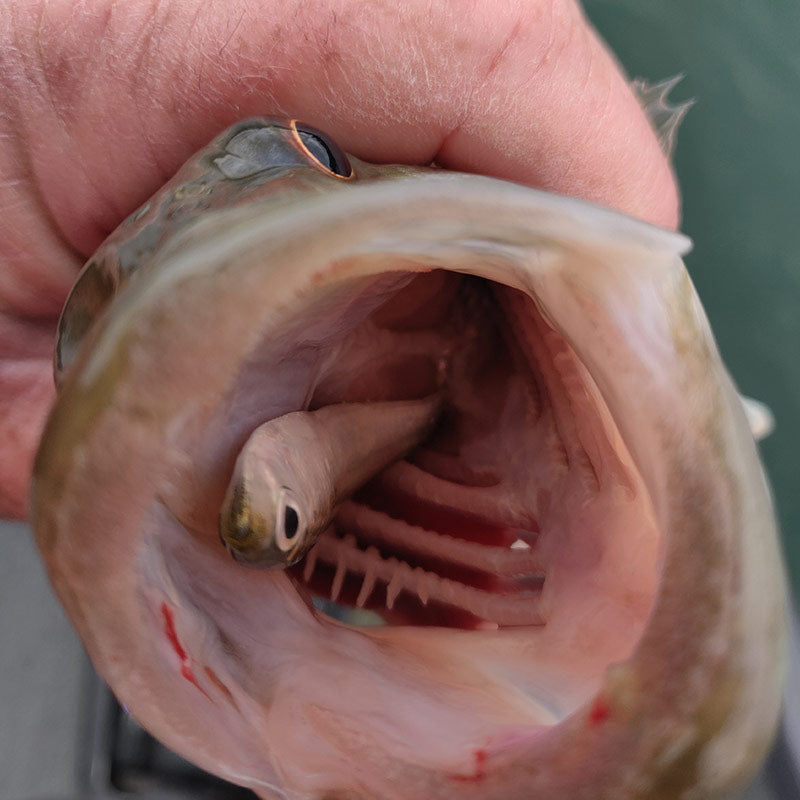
[(289, 525), (323, 150), (291, 522)]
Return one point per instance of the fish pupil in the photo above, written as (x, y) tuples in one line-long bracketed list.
[(290, 522), (324, 150)]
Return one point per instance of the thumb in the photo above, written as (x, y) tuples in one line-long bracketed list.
[(520, 90)]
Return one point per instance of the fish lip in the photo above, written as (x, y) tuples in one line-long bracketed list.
[(239, 557), (261, 560)]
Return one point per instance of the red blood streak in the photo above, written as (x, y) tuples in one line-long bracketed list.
[(172, 635), (187, 673), (479, 774), (600, 711), (169, 630)]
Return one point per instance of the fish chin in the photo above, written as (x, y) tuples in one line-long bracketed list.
[(571, 588)]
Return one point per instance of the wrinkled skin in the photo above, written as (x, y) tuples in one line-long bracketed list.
[(578, 570), (102, 102)]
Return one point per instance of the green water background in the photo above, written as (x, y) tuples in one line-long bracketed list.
[(738, 163)]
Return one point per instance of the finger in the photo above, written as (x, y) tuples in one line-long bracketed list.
[(573, 126), (520, 90), (102, 103)]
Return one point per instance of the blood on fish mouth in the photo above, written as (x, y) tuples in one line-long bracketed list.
[(456, 534)]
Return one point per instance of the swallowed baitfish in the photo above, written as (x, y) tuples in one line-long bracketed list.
[(522, 544), (297, 469)]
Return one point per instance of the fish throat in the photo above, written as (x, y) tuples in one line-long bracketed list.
[(520, 499)]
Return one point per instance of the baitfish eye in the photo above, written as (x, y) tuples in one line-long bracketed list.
[(290, 522), (323, 150), (289, 527)]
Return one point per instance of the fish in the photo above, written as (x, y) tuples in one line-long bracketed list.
[(568, 585), (295, 470)]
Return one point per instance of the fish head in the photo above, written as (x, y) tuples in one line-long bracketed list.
[(265, 160), (572, 588), (261, 523)]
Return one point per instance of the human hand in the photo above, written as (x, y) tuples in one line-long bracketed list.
[(102, 102)]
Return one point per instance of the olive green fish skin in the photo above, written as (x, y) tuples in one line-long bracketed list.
[(254, 160), (224, 304)]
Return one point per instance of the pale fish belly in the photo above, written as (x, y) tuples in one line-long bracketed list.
[(571, 588)]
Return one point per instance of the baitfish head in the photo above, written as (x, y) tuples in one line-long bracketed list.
[(576, 573), (261, 523)]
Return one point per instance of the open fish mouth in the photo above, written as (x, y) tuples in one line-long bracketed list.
[(570, 588), (460, 532)]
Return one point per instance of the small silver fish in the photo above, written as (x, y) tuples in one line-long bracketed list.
[(295, 470)]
